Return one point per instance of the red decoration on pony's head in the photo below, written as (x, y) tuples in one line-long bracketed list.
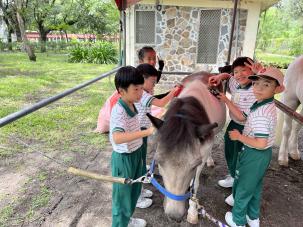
[(178, 91)]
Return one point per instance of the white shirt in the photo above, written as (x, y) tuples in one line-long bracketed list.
[(143, 107), (261, 121), (242, 97), (123, 119)]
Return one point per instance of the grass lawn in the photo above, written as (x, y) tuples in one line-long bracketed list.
[(23, 83), (276, 59)]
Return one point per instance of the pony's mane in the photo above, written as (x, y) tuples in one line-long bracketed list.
[(181, 120)]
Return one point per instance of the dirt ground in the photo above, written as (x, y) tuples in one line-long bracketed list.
[(76, 201)]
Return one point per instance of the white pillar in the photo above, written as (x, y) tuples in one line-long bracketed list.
[(130, 34), (251, 29)]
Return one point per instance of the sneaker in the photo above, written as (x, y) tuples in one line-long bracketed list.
[(136, 222), (230, 200), (227, 182), (229, 220), (145, 193), (144, 203), (253, 223)]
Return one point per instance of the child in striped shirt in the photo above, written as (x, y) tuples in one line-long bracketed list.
[(242, 96), (126, 138), (145, 55), (255, 155), (144, 106)]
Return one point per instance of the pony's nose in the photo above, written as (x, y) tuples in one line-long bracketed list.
[(177, 217), (174, 210)]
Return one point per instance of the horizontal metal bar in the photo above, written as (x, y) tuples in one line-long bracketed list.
[(21, 113), (177, 73)]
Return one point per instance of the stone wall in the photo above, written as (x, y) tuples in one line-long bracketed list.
[(176, 38)]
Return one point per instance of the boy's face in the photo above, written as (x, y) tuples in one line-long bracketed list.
[(149, 84), (149, 58), (264, 88), (241, 74), (132, 94)]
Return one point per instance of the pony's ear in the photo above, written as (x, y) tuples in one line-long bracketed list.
[(155, 121), (204, 130)]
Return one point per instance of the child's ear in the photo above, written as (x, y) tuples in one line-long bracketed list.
[(121, 91), (279, 89)]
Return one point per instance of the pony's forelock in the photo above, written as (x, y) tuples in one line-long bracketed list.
[(180, 122)]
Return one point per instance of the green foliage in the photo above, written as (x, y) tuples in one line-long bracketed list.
[(102, 18), (296, 46), (5, 213), (279, 61), (16, 46), (100, 52), (279, 32)]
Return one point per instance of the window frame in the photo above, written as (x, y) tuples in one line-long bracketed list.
[(219, 34), (135, 21)]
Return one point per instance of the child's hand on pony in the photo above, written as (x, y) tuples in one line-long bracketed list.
[(216, 80)]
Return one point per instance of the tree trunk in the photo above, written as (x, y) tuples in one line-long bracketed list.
[(18, 33), (43, 36), (29, 50), (9, 39), (9, 34), (43, 39), (66, 36)]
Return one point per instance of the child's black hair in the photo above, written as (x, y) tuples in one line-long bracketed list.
[(240, 61), (147, 70), (225, 69), (126, 76), (143, 50)]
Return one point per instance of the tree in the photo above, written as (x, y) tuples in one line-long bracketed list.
[(20, 7), (279, 30), (294, 7), (10, 18), (41, 9), (101, 17)]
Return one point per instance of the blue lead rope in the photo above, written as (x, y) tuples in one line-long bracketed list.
[(163, 190)]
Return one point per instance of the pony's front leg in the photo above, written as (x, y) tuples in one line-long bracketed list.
[(283, 151), (292, 102), (192, 213), (294, 152)]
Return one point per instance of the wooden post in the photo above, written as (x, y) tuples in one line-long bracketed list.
[(84, 173)]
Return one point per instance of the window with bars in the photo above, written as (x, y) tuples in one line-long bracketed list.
[(145, 27), (209, 32)]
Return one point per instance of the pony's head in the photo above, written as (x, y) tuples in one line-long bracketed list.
[(181, 139)]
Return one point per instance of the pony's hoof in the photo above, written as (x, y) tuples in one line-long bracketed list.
[(192, 213), (283, 163), (295, 155), (192, 218)]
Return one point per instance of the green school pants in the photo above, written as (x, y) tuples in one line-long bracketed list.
[(144, 153), (231, 147), (251, 168), (124, 197)]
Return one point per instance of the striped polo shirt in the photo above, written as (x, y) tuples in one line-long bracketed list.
[(261, 121), (143, 107), (123, 119), (242, 97)]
